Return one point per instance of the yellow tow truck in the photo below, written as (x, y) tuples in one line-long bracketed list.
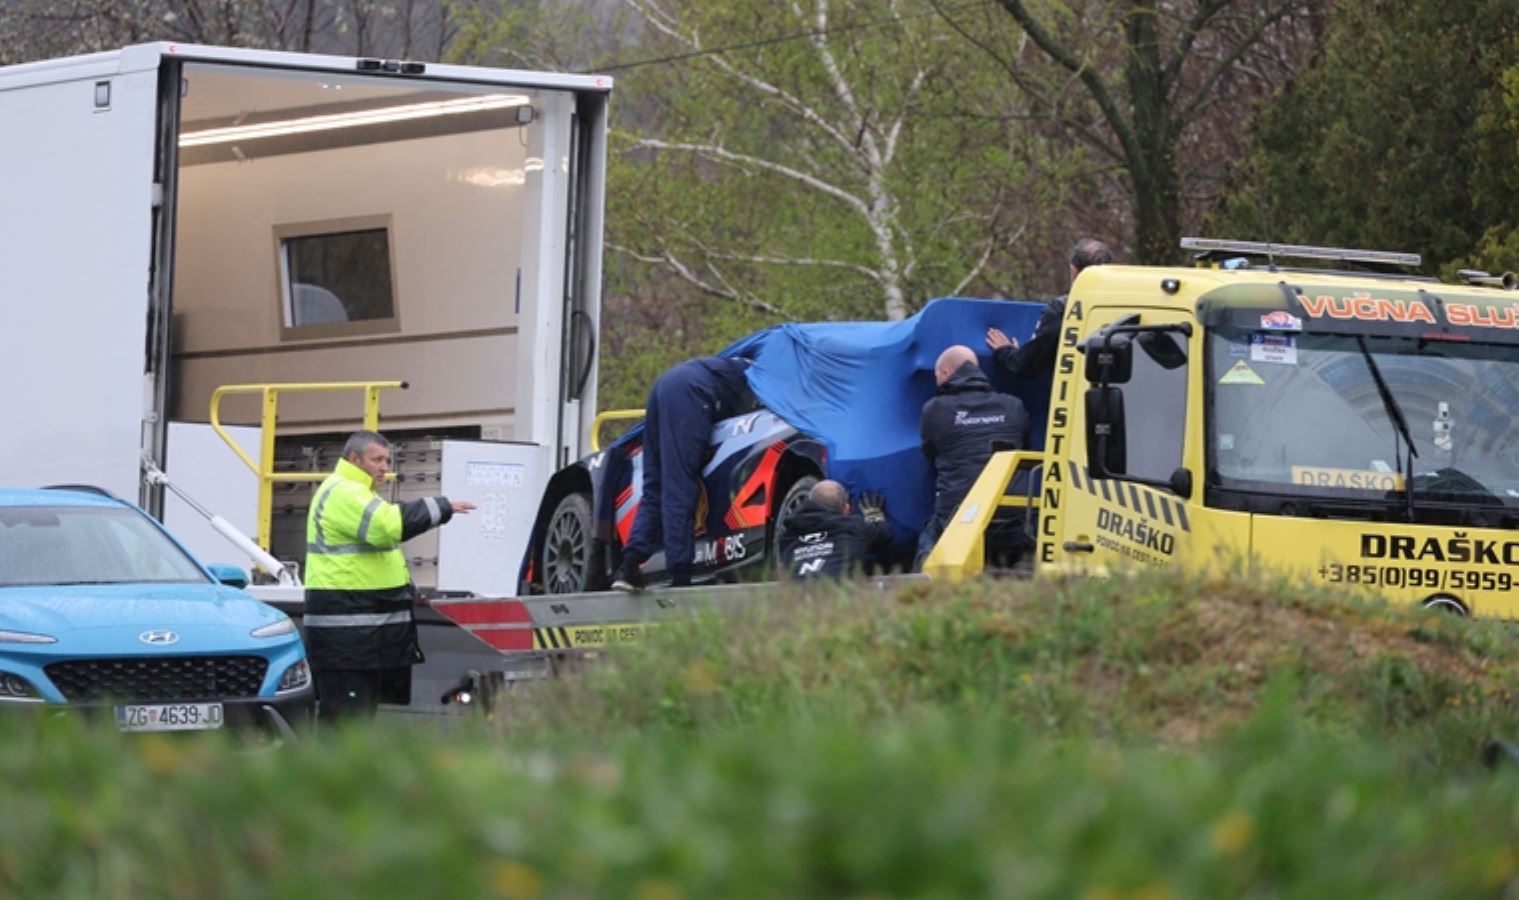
[(1350, 423), (1341, 421)]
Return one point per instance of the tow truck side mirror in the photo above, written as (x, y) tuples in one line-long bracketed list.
[(1162, 347), (1107, 453), (1110, 364), (1181, 483)]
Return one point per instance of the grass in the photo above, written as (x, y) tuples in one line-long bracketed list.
[(1147, 738)]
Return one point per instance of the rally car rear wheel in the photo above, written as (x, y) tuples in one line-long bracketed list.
[(791, 501), (567, 555)]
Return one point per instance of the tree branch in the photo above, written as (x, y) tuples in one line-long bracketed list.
[(797, 175), (1034, 92), (683, 271), (1088, 75), (1227, 62), (872, 274), (1206, 10), (986, 254), (792, 102), (835, 75)]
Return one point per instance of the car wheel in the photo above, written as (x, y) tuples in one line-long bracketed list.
[(791, 501), (568, 548)]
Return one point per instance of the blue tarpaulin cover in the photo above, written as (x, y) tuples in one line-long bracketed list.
[(859, 388)]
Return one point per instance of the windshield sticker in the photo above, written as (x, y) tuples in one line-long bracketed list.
[(1241, 374), (1281, 320), (1443, 439), (1280, 349), (1238, 349), (1363, 307), (1356, 479), (1226, 441)]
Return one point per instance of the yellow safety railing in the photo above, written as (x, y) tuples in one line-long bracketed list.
[(961, 549), (610, 415), (264, 468)]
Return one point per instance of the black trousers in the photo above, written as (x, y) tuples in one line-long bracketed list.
[(345, 694)]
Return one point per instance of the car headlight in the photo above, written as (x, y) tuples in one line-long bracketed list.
[(14, 687), (274, 629), (25, 637), (295, 678)]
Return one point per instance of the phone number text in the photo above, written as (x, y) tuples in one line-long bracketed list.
[(1417, 577)]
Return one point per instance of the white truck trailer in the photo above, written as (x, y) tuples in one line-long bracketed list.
[(179, 218)]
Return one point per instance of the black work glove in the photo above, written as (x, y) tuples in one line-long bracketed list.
[(873, 506)]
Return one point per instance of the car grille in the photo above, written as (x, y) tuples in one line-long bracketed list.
[(138, 680)]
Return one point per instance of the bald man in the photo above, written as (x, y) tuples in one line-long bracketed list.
[(964, 423), (823, 539)]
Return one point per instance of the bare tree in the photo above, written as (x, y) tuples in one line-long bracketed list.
[(38, 29), (1139, 81), (836, 114)]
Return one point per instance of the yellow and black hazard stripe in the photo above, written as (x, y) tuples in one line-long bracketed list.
[(1136, 497), (586, 637)]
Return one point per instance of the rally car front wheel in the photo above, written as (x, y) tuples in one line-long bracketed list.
[(569, 559)]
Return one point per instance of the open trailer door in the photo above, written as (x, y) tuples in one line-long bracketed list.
[(80, 170)]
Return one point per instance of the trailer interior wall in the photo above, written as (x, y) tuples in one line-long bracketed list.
[(76, 175), (463, 214)]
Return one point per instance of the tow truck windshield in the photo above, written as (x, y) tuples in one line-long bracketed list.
[(1301, 414)]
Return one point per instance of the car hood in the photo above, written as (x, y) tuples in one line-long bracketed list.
[(97, 617)]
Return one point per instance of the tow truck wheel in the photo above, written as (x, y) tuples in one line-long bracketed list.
[(1446, 603), (567, 548), (791, 501)]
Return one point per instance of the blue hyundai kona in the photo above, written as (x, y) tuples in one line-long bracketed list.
[(101, 609)]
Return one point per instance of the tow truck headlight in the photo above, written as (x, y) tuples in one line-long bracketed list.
[(14, 687), (25, 637), (274, 629), (295, 678)]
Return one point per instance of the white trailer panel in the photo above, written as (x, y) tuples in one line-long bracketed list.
[(75, 252)]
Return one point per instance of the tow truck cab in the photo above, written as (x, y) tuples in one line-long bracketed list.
[(1351, 425)]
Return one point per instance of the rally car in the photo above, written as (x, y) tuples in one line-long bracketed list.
[(835, 400)]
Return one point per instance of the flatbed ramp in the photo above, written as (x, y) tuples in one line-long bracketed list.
[(581, 623)]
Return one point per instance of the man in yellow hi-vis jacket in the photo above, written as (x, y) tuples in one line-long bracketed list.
[(359, 626)]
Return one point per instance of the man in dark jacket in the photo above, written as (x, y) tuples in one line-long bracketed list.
[(823, 540), (360, 634), (677, 429), (961, 426), (1037, 357)]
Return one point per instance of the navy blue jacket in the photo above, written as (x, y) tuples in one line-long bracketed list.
[(1036, 356), (824, 543), (961, 427)]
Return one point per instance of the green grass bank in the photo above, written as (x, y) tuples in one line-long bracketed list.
[(1151, 738)]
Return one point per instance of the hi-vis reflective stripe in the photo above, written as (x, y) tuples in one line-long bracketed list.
[(576, 637), (344, 549), (1143, 500), (320, 545), (367, 518), (357, 620)]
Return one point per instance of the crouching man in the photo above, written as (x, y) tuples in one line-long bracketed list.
[(823, 539)]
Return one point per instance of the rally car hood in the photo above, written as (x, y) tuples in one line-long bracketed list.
[(112, 618)]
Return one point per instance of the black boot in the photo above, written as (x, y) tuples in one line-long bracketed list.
[(629, 577)]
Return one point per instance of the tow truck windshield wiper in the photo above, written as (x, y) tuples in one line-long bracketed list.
[(1395, 413)]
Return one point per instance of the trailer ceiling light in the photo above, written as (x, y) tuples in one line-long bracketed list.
[(351, 119)]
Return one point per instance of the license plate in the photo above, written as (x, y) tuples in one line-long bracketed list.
[(170, 717)]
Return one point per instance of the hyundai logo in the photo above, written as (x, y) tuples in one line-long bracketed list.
[(159, 638)]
